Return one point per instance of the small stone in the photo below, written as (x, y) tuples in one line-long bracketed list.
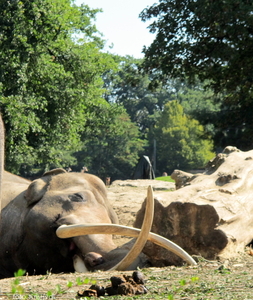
[(87, 293), (111, 291), (117, 280), (129, 279), (126, 289), (140, 289), (138, 277), (99, 288)]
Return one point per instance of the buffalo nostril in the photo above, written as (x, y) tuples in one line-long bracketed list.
[(93, 259)]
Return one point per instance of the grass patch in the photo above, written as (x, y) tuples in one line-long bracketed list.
[(165, 178), (209, 280)]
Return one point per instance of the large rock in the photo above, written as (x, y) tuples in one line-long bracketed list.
[(210, 214)]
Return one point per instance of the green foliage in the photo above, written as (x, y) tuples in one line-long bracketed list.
[(19, 273), (208, 38), (199, 103), (130, 87), (111, 148), (16, 288), (51, 92), (180, 143), (211, 40), (48, 79)]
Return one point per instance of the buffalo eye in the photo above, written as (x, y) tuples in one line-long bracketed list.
[(77, 197)]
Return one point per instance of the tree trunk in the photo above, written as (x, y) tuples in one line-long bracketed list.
[(212, 215), (1, 158)]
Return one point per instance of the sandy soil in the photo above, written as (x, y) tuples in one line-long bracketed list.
[(127, 196), (207, 280)]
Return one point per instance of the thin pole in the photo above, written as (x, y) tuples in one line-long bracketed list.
[(1, 157), (154, 160)]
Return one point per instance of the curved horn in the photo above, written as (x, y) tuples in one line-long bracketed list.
[(142, 237)]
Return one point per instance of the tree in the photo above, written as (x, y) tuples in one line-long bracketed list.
[(211, 40), (199, 103), (51, 68), (180, 142), (131, 88), (111, 148)]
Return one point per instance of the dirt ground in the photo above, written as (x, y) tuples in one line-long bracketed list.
[(230, 279)]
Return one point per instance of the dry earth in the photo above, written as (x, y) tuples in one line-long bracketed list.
[(230, 279)]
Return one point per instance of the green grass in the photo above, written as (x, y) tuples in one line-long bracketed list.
[(165, 178), (209, 280)]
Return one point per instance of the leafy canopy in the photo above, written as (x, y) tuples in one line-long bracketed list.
[(212, 40), (130, 88), (112, 147), (180, 142), (48, 78)]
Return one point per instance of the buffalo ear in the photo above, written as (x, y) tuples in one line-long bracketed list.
[(54, 172), (35, 191)]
